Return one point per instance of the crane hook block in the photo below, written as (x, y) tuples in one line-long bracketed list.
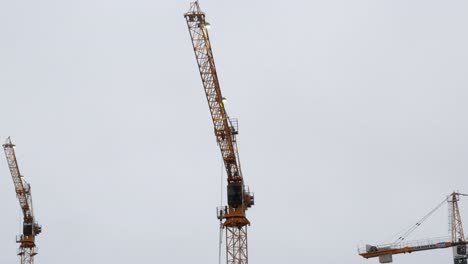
[(235, 194)]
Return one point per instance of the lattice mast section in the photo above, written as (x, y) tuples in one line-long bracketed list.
[(239, 197), (456, 229), (27, 249), (236, 245)]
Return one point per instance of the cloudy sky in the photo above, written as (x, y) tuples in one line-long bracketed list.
[(352, 115)]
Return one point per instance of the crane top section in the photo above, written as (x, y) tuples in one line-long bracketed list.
[(224, 129), (22, 188), (456, 227), (195, 10)]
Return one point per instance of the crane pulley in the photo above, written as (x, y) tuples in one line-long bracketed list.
[(225, 129), (31, 228)]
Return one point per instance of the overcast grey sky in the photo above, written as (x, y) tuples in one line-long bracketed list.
[(353, 125)]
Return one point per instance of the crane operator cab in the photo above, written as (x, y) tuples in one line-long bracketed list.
[(235, 193), (239, 194), (27, 229), (461, 250), (459, 254)]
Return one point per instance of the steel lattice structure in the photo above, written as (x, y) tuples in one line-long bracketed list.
[(456, 223), (456, 228), (236, 245), (27, 255), (31, 228), (202, 47), (239, 197)]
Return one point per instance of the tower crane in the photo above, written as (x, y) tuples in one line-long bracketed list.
[(457, 239), (233, 217), (27, 249)]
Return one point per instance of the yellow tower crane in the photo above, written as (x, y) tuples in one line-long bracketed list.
[(457, 241), (27, 249), (239, 198)]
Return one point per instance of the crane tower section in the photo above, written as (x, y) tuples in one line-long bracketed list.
[(239, 198), (27, 249)]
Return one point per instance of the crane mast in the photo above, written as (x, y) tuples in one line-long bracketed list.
[(456, 227), (225, 129), (27, 249)]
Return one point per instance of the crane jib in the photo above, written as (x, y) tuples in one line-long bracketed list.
[(22, 188), (203, 53)]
